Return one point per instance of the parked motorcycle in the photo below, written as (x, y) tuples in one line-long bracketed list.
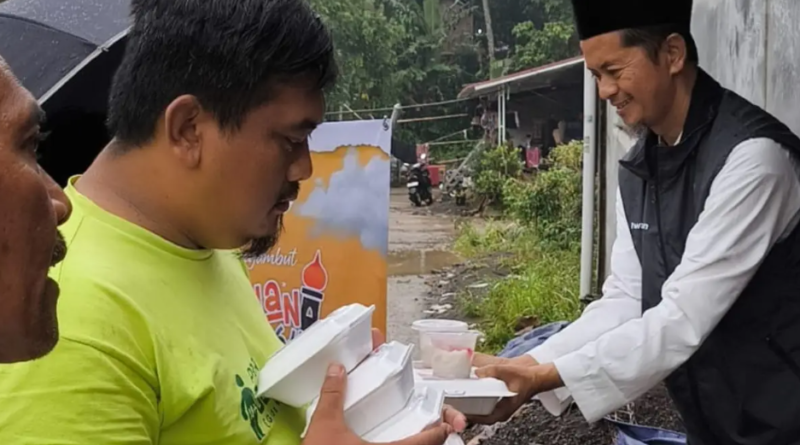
[(419, 185)]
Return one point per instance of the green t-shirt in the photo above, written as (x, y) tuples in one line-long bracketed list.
[(159, 345)]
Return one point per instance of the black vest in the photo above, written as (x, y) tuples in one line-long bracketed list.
[(743, 385)]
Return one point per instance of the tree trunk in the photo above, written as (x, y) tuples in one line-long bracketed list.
[(487, 15)]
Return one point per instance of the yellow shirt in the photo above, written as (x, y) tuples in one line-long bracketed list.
[(159, 345)]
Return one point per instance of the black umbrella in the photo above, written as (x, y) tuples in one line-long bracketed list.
[(65, 52)]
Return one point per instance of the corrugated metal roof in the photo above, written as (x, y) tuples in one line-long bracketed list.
[(490, 86)]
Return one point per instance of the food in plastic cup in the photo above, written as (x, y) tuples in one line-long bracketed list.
[(426, 326), (452, 353)]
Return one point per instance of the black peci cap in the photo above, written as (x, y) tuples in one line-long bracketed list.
[(596, 17)]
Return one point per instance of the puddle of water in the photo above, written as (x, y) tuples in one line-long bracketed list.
[(420, 262)]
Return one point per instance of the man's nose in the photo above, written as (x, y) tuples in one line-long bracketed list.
[(59, 200), (606, 88), (302, 168)]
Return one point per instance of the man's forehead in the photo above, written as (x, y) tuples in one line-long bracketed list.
[(7, 77), (20, 110), (9, 85), (297, 108), (7, 80), (602, 49), (4, 66)]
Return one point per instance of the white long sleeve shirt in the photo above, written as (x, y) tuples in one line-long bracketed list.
[(613, 353)]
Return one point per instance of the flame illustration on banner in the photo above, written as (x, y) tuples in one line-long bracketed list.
[(314, 280), (292, 310), (314, 274)]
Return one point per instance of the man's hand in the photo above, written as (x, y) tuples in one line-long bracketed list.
[(525, 380), (378, 339), (482, 360), (454, 418), (328, 424)]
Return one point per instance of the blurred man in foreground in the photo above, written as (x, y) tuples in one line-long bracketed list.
[(705, 269), (31, 207), (163, 339)]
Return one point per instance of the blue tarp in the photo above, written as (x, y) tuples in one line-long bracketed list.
[(532, 339), (627, 434)]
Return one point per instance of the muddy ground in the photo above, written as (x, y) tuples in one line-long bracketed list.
[(419, 242), (533, 425), (425, 281)]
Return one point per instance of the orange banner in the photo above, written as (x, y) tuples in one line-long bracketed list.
[(333, 250)]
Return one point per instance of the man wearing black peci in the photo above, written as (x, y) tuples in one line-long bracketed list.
[(705, 272)]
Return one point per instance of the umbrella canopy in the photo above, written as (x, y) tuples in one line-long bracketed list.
[(66, 53)]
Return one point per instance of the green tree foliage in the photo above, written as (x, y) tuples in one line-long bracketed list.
[(365, 40), (392, 51), (535, 47), (550, 202), (493, 169)]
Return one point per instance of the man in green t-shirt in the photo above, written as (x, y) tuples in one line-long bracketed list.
[(162, 337), (31, 207)]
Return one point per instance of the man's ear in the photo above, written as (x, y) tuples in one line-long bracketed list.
[(676, 53), (182, 129)]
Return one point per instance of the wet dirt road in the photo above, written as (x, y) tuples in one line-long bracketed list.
[(418, 244)]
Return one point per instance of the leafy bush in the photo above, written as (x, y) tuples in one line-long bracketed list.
[(541, 239), (518, 197), (569, 156), (543, 284), (493, 169), (552, 201)]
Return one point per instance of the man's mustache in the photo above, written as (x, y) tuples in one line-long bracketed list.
[(260, 246), (59, 249), (290, 192)]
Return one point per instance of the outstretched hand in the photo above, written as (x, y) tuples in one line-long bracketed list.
[(481, 360), (524, 380)]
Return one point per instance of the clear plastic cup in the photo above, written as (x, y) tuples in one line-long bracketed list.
[(426, 326), (452, 353)]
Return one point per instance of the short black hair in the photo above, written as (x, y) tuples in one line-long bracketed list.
[(228, 53), (652, 38)]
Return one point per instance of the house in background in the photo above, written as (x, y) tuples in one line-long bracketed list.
[(525, 107)]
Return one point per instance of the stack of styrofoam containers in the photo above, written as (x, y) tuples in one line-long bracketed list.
[(381, 402), (439, 341)]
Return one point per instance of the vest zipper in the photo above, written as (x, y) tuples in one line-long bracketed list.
[(689, 368)]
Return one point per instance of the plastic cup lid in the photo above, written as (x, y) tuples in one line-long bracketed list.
[(434, 325)]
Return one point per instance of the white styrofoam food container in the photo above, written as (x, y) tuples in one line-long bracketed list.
[(472, 397), (295, 373), (452, 352), (377, 389), (422, 411), (454, 439), (421, 372), (423, 327)]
